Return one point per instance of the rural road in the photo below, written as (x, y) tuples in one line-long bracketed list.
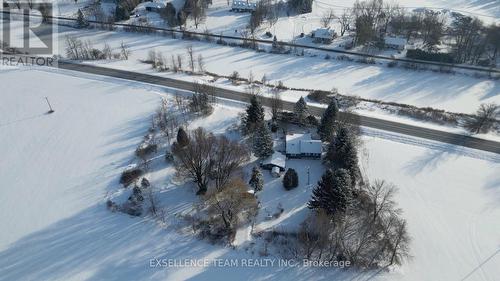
[(395, 127)]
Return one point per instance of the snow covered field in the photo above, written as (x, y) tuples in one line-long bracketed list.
[(455, 93), (220, 19), (57, 170)]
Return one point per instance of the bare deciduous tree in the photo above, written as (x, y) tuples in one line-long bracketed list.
[(179, 62), (124, 51), (192, 161), (208, 157), (190, 53), (276, 103), (227, 157), (484, 120), (327, 18), (345, 22), (226, 208), (201, 64)]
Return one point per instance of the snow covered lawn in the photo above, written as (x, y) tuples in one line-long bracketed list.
[(57, 170), (451, 200)]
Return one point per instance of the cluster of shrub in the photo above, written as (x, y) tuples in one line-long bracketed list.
[(176, 62), (484, 120), (429, 56), (77, 49)]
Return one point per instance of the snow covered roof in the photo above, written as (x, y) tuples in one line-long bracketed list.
[(325, 33), (302, 143), (243, 5), (277, 159), (310, 146), (398, 41), (154, 5)]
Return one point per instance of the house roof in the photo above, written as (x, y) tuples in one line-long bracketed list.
[(310, 146), (302, 143), (144, 5), (277, 159), (325, 33), (243, 5), (399, 41)]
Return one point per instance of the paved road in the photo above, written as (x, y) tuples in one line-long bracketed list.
[(415, 131)]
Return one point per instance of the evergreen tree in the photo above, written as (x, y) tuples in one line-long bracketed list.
[(342, 152), (326, 127), (254, 115), (121, 13), (262, 141), (257, 180), (200, 103), (182, 137), (332, 192), (290, 179), (300, 110), (80, 20)]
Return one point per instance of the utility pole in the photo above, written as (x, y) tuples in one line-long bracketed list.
[(50, 107)]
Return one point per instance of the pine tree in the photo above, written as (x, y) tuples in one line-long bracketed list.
[(80, 20), (326, 127), (290, 179), (300, 110), (342, 152), (332, 193), (182, 137), (254, 115), (121, 13), (257, 180), (262, 141)]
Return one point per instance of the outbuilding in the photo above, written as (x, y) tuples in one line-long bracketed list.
[(277, 160)]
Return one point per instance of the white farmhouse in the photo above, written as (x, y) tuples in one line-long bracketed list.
[(397, 43), (302, 146), (323, 35), (149, 7), (243, 6)]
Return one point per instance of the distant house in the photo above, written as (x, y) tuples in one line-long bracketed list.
[(243, 6), (397, 43), (323, 35), (277, 160), (302, 146), (149, 7)]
